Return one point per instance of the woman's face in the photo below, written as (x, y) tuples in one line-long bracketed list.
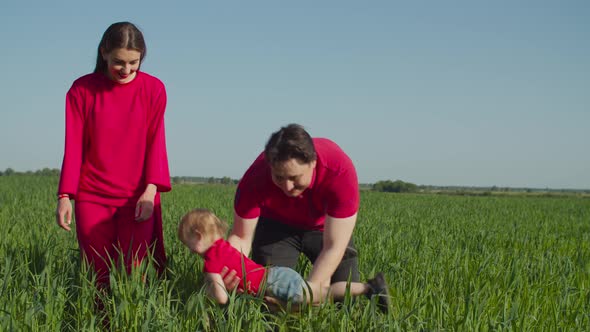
[(122, 64)]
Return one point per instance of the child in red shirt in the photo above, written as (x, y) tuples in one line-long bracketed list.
[(203, 233)]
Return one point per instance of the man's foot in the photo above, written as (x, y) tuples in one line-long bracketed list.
[(378, 287)]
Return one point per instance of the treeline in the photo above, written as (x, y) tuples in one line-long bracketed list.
[(397, 186), (175, 179), (203, 179), (43, 172)]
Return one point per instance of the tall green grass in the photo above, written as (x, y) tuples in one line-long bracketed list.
[(453, 263)]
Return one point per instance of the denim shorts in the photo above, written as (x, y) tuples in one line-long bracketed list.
[(286, 284)]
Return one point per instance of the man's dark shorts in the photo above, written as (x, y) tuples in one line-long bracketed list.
[(280, 245)]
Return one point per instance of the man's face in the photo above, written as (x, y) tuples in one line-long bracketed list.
[(292, 176)]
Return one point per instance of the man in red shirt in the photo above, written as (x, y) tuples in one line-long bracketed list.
[(301, 195)]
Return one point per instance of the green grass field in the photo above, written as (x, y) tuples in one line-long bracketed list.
[(458, 263)]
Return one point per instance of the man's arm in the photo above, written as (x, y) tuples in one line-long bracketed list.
[(337, 234), (240, 237), (242, 233)]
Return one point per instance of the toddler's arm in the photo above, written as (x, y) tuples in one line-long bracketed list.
[(216, 288)]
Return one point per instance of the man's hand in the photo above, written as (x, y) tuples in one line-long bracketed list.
[(230, 280), (319, 292)]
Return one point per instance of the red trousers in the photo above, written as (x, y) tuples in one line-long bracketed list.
[(106, 232)]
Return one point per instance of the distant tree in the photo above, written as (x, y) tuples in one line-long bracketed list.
[(9, 171), (397, 186), (47, 172), (225, 180)]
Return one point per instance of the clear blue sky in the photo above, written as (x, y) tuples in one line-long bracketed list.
[(475, 93)]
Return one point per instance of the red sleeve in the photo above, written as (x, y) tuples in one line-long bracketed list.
[(246, 203), (157, 171), (344, 198), (211, 266), (212, 259), (73, 148)]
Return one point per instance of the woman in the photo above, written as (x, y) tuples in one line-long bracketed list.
[(115, 162)]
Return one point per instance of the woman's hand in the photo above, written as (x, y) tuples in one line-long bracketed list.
[(145, 204), (63, 213)]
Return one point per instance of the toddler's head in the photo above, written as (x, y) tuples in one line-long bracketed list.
[(199, 229)]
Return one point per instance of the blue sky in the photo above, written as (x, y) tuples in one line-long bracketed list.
[(468, 93)]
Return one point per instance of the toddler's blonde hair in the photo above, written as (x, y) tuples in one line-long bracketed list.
[(202, 221)]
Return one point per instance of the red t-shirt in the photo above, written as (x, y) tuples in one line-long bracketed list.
[(223, 254), (115, 142), (334, 191)]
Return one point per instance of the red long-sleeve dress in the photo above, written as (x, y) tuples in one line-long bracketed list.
[(115, 142)]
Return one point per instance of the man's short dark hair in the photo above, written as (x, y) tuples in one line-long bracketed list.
[(290, 142)]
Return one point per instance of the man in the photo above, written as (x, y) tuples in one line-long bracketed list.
[(301, 195)]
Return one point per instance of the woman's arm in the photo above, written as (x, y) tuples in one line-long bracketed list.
[(74, 144), (156, 164), (72, 160)]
